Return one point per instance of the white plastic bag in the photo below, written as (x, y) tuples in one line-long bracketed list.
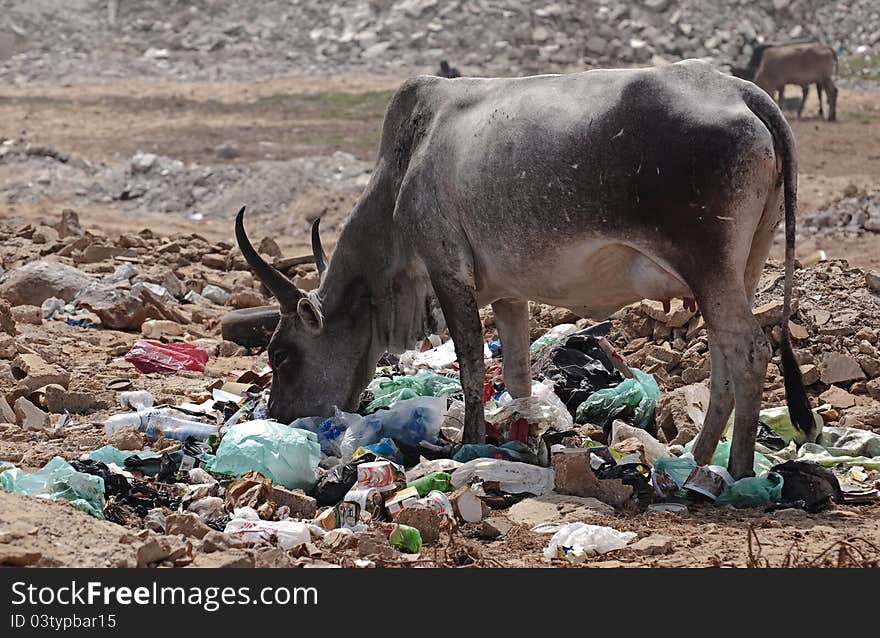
[(654, 449), (576, 541), (543, 409), (289, 533), (514, 478)]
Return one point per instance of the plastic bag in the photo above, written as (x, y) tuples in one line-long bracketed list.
[(514, 478), (679, 469), (752, 491), (289, 534), (511, 451), (654, 449), (543, 409), (779, 420), (576, 541), (721, 457), (289, 456), (345, 432), (58, 479), (387, 392), (384, 448), (109, 454), (413, 420), (335, 484), (632, 401), (153, 356)]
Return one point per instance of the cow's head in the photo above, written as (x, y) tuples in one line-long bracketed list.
[(319, 360)]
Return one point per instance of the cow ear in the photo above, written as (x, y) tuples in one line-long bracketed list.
[(310, 314)]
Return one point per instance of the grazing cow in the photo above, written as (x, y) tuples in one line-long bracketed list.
[(801, 63), (588, 191)]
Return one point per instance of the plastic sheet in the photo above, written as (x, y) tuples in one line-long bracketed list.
[(289, 456), (153, 356), (58, 479), (387, 392), (752, 491), (514, 478), (543, 409), (576, 541)]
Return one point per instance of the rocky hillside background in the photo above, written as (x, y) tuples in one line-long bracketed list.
[(77, 40)]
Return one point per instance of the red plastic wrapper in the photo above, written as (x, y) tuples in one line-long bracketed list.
[(154, 356)]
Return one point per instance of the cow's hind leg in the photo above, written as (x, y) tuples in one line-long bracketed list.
[(819, 95), (831, 92), (720, 405), (746, 354), (512, 319), (805, 89)]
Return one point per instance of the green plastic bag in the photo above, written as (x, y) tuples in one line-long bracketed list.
[(779, 420), (679, 468), (289, 456), (722, 455), (632, 400), (109, 454), (425, 384), (58, 479), (753, 491)]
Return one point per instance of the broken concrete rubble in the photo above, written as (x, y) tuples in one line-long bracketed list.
[(36, 281), (574, 476)]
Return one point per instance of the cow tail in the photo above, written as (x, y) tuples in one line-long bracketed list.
[(795, 392)]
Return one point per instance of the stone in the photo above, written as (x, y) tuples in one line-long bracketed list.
[(35, 282), (33, 373), (7, 323), (96, 252), (839, 368), (301, 505), (870, 365), (374, 544), (872, 387), (423, 518), (12, 556), (215, 541), (156, 549), (494, 527), (246, 299), (339, 540), (768, 314), (227, 151), (158, 328), (872, 280), (32, 315), (45, 235), (657, 5), (838, 398), (8, 349), (669, 357), (694, 375), (862, 417), (213, 260), (649, 546), (29, 416), (7, 414), (230, 559), (59, 400), (596, 44), (307, 282), (187, 524), (269, 247), (797, 331), (557, 508), (681, 412), (117, 309), (127, 439), (69, 225), (574, 476), (810, 374)]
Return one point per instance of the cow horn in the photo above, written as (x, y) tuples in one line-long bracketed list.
[(317, 249), (285, 292)]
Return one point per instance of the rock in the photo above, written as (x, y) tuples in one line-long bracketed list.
[(161, 548), (862, 417), (32, 315), (215, 541), (246, 299), (188, 524), (870, 365), (45, 235), (269, 247), (12, 556), (839, 368), (230, 559), (301, 505), (494, 527), (423, 518), (69, 225), (7, 323), (650, 546), (29, 416), (557, 508), (810, 374), (596, 44), (227, 151), (158, 328), (96, 252), (768, 314), (467, 506), (797, 331), (872, 387), (155, 520), (872, 280), (665, 354), (116, 308), (127, 439), (34, 373), (215, 294), (8, 349), (694, 375), (7, 414), (35, 282), (307, 282), (60, 400), (838, 398), (214, 261), (374, 544), (657, 5), (680, 413), (143, 162), (574, 476), (339, 540)]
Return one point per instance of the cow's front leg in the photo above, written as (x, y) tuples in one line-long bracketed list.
[(512, 319), (457, 297)]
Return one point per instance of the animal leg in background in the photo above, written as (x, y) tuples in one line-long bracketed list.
[(806, 92), (819, 93), (512, 319)]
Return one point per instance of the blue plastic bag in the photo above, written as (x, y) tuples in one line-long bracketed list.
[(289, 456)]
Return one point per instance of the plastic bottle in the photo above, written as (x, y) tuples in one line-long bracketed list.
[(407, 538), (161, 420), (436, 481)]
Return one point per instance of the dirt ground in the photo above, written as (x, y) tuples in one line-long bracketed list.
[(301, 117)]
